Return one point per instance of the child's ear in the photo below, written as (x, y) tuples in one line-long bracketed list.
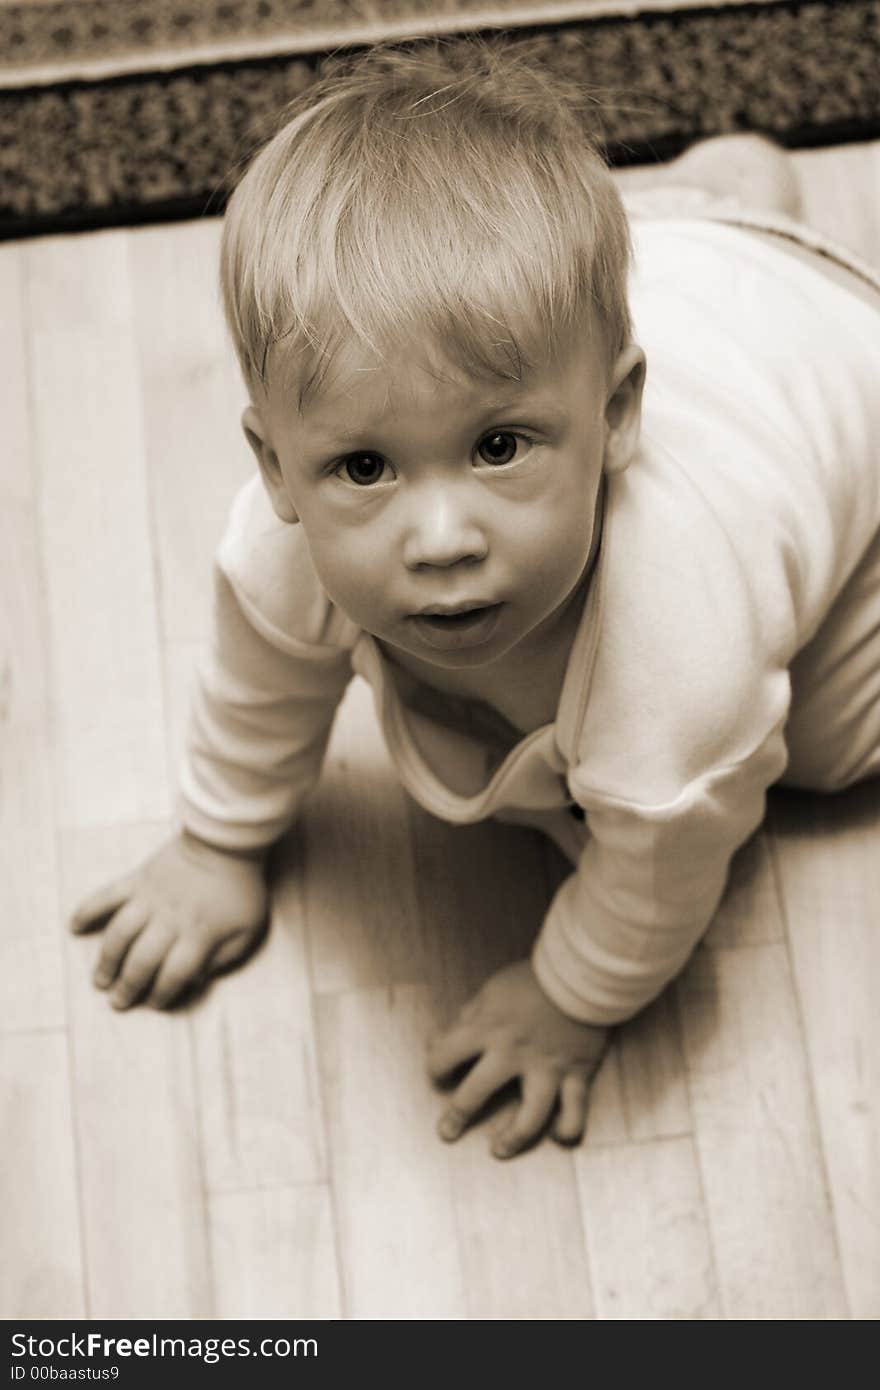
[(623, 410), (257, 436)]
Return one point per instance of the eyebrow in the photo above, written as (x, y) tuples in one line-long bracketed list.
[(538, 401), (517, 410), (527, 400)]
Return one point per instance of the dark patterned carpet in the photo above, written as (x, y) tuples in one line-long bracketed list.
[(161, 139)]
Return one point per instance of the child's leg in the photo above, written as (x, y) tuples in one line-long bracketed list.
[(748, 169), (744, 179), (833, 733)]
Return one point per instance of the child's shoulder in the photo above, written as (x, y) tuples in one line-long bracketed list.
[(688, 666), (761, 414), (267, 562)]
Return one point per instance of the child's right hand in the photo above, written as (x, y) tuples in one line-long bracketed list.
[(186, 912)]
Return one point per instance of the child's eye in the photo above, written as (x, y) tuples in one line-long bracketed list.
[(364, 469), (501, 447)]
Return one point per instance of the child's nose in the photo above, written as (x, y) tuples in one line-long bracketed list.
[(442, 531)]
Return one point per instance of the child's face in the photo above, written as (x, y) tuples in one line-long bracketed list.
[(451, 517)]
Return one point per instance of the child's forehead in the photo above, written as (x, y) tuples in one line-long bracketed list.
[(408, 376), (417, 371)]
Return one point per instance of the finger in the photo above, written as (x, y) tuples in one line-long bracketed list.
[(485, 1078), (140, 965), (572, 1118), (184, 965), (446, 1051), (539, 1092), (123, 929), (101, 904)]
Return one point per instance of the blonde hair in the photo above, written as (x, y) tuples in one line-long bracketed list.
[(449, 193)]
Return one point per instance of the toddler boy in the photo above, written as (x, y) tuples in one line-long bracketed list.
[(614, 613)]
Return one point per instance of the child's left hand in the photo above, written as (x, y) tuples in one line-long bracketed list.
[(510, 1030)]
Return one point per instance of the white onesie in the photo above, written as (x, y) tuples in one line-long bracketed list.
[(730, 635)]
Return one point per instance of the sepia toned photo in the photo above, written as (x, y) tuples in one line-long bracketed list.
[(439, 664)]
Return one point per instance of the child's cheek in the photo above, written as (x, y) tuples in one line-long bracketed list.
[(355, 571)]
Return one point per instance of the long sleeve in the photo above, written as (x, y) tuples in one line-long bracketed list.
[(267, 687), (646, 887)]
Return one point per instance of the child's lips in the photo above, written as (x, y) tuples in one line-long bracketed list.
[(447, 629)]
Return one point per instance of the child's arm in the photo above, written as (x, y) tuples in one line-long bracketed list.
[(618, 930), (260, 718)]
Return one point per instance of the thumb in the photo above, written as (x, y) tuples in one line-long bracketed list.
[(101, 904)]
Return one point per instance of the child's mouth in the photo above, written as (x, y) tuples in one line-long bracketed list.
[(468, 628)]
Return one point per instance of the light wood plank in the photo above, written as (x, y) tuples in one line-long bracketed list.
[(16, 481), (193, 397), (31, 971), (829, 866), (519, 1232), (179, 660), (482, 892), (31, 985), (653, 1073), (365, 925), (392, 1178), (94, 518), (750, 912), (273, 1254), (31, 982), (756, 1137), (143, 1207), (640, 1091), (259, 1096), (23, 682), (41, 1271), (607, 1116), (647, 1231)]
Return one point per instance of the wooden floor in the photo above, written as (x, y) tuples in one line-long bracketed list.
[(270, 1150)]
